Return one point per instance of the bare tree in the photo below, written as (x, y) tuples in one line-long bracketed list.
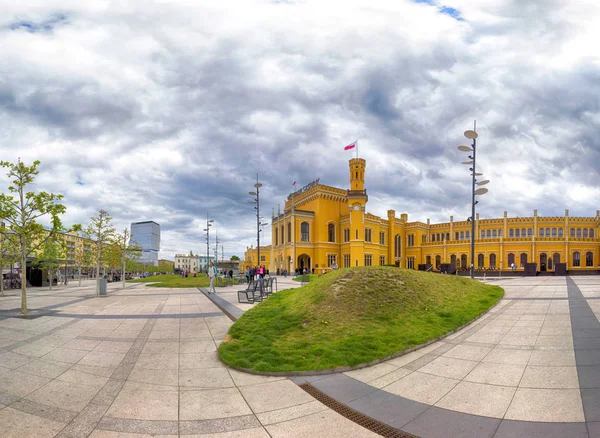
[(101, 232), (22, 214)]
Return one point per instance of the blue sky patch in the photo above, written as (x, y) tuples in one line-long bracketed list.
[(454, 13), (47, 25)]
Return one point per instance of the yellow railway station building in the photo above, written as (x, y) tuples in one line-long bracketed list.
[(323, 227)]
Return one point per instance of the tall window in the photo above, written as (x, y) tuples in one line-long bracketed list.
[(462, 235), (556, 258), (576, 259), (524, 232), (585, 233), (572, 232), (438, 261), (381, 260), (456, 235), (591, 234), (511, 259), (493, 261), (368, 260), (276, 236), (468, 235), (397, 246), (433, 237), (368, 236), (489, 233), (589, 259), (381, 238), (423, 238), (463, 261), (523, 259), (428, 260), (494, 233), (499, 233), (554, 232), (410, 240), (410, 264), (517, 233), (547, 232), (346, 260), (511, 233), (304, 237), (282, 235), (560, 232), (483, 234), (289, 233), (541, 232), (453, 259), (578, 232), (346, 234), (331, 260), (480, 261), (530, 232), (331, 233)]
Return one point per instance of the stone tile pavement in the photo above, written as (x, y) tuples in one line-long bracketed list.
[(140, 362)]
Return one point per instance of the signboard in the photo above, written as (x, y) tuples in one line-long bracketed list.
[(305, 188)]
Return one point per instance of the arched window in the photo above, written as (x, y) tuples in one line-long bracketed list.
[(524, 232), (489, 233), (397, 246), (423, 238), (493, 261), (517, 233), (572, 232), (433, 237), (560, 232), (585, 233), (541, 232), (578, 232), (456, 236), (462, 235), (276, 236), (480, 261), (438, 261), (494, 233), (453, 259), (554, 232), (331, 232), (511, 233), (591, 234), (556, 258), (428, 260), (483, 234), (304, 237), (589, 259), (523, 259), (468, 235), (440, 237), (463, 261), (499, 233), (530, 232), (282, 235), (511, 259), (576, 259), (547, 232), (447, 236), (289, 233)]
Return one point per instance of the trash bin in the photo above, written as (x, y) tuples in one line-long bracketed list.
[(102, 287)]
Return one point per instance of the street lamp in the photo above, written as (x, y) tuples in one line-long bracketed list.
[(258, 217), (207, 229), (472, 135)]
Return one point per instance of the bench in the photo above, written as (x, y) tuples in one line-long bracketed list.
[(257, 290)]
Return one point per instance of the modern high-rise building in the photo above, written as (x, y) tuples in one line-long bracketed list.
[(147, 235)]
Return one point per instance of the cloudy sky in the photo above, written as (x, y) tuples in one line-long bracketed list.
[(167, 110)]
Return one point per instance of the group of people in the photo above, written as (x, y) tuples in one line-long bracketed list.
[(255, 273)]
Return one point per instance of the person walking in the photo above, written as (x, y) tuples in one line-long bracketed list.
[(212, 273)]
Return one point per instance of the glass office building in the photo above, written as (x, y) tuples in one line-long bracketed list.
[(147, 236)]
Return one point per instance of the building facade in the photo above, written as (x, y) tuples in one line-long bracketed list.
[(147, 236), (323, 226), (192, 263)]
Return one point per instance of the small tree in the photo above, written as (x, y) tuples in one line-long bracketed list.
[(22, 214), (164, 266), (51, 254), (9, 252), (234, 257), (125, 251), (101, 232)]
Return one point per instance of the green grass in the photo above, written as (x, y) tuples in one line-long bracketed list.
[(310, 277), (353, 316), (174, 280)]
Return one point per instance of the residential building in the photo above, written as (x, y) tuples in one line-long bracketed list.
[(192, 263)]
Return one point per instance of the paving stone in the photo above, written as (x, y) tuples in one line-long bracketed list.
[(211, 404), (549, 377), (44, 411), (513, 429), (205, 378), (18, 424), (546, 405), (478, 399), (148, 427), (421, 387), (275, 395), (145, 405), (442, 423)]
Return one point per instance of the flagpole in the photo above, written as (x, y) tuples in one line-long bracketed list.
[(356, 148)]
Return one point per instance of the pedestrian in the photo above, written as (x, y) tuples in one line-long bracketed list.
[(212, 273), (248, 274)]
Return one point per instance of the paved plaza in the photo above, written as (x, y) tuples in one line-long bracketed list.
[(143, 362)]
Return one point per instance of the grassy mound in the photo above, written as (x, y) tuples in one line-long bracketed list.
[(353, 316), (173, 280)]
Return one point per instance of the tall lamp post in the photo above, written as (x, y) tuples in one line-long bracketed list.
[(258, 217), (207, 229), (472, 135)]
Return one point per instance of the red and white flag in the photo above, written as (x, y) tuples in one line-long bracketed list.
[(350, 146), (294, 183)]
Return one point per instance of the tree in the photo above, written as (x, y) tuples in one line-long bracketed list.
[(51, 254), (165, 266), (101, 232), (9, 252), (22, 214), (234, 257), (82, 258), (127, 252)]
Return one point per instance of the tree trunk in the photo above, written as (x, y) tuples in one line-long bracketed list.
[(50, 277), (80, 276), (98, 272), (1, 280), (23, 281), (123, 274)]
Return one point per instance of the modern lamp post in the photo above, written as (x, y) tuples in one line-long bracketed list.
[(207, 229), (258, 217), (472, 135)]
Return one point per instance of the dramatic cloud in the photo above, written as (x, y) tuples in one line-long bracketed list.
[(168, 110)]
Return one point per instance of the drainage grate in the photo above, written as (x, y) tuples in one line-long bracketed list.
[(361, 419)]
